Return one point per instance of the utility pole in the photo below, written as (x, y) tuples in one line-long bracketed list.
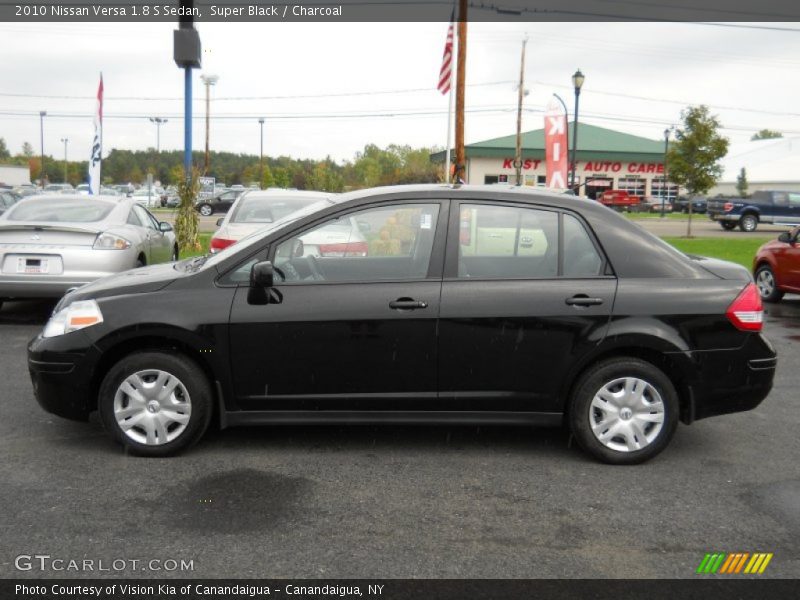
[(520, 96), (209, 80), (461, 70), (42, 175), (187, 52), (66, 141), (261, 155), (159, 122)]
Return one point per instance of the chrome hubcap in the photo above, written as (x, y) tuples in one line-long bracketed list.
[(626, 414), (765, 282), (152, 407)]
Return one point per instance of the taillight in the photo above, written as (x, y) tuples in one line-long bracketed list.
[(218, 244), (346, 249), (727, 207), (746, 312)]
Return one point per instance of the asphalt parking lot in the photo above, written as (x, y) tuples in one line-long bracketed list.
[(391, 502)]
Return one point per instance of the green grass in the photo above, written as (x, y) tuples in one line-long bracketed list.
[(738, 250), (205, 240), (657, 215)]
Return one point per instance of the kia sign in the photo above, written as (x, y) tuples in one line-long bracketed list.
[(555, 144)]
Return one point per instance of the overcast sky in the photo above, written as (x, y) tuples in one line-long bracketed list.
[(638, 77)]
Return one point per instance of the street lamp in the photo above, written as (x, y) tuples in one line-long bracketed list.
[(159, 122), (261, 158), (208, 80), (66, 141), (42, 114), (664, 187), (577, 82)]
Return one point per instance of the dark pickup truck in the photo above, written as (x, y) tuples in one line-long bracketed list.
[(779, 208)]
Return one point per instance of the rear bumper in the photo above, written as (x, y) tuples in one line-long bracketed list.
[(723, 217), (729, 381), (41, 288)]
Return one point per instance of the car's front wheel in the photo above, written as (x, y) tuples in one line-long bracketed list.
[(206, 210), (155, 404), (623, 411), (767, 287)]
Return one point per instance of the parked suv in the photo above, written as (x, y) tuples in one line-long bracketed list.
[(780, 208), (459, 304)]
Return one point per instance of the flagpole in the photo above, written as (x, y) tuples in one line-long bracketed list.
[(100, 170), (449, 133)]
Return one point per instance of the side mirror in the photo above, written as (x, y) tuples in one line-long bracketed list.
[(164, 227), (786, 238), (219, 221), (262, 275), (298, 249)]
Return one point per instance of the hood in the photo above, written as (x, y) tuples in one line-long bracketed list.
[(135, 281), (722, 268)]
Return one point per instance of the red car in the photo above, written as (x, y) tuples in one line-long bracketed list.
[(619, 200), (776, 266)]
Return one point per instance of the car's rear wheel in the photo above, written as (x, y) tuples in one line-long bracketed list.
[(623, 411), (206, 210), (727, 225), (155, 404), (767, 287), (748, 223)]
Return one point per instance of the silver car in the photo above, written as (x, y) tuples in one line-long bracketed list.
[(49, 244)]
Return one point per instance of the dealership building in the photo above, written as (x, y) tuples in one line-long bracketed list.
[(606, 159)]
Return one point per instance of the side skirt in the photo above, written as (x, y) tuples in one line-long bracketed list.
[(329, 417)]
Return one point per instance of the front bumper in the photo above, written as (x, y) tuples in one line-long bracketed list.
[(61, 370)]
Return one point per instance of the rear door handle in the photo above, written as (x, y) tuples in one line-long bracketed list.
[(407, 304), (583, 300)]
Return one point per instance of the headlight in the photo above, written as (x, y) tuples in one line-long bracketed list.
[(107, 241), (77, 315)]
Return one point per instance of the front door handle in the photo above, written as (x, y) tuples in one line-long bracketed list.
[(583, 300), (407, 304)]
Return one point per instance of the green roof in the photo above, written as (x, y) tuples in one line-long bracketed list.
[(594, 143)]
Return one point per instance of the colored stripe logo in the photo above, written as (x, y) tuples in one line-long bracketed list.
[(734, 563)]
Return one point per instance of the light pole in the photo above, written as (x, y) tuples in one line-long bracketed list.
[(664, 187), (520, 96), (261, 156), (42, 115), (577, 82), (208, 80), (159, 122), (66, 141)]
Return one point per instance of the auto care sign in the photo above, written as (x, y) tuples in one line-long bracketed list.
[(555, 144)]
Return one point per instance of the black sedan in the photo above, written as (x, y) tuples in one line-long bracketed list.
[(425, 304), (218, 203), (699, 204)]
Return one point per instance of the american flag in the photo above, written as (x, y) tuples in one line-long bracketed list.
[(446, 72)]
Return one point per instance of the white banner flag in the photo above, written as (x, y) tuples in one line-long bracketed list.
[(95, 159)]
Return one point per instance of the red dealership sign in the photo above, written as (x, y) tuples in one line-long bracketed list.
[(555, 145)]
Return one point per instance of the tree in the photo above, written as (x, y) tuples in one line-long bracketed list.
[(766, 134), (741, 183), (27, 149), (693, 160), (4, 153)]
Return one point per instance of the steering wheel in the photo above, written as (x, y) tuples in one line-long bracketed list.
[(316, 274)]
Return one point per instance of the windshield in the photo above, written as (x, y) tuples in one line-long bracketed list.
[(60, 210), (268, 209), (255, 237)]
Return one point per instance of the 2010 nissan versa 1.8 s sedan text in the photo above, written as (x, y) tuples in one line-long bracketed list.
[(468, 305)]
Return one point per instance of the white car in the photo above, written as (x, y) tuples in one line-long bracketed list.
[(147, 198), (257, 209)]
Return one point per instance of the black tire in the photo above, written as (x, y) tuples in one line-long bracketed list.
[(767, 285), (727, 225), (598, 376), (748, 223), (177, 365), (140, 262), (175, 254)]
